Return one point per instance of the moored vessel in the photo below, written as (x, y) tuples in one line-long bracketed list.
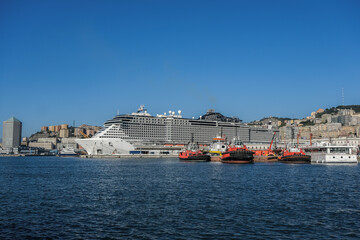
[(266, 155), (329, 153), (265, 158), (128, 132), (294, 155), (68, 152), (193, 153), (189, 155), (237, 153), (217, 148)]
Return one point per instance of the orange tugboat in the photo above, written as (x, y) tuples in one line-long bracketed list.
[(237, 153), (196, 156), (294, 155), (193, 153)]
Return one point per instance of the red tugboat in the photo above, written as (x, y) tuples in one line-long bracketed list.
[(294, 155), (237, 153), (194, 154)]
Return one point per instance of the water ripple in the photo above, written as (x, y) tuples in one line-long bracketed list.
[(65, 198)]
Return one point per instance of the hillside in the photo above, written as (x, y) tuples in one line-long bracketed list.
[(335, 110), (356, 108)]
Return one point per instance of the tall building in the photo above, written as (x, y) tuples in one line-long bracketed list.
[(11, 133)]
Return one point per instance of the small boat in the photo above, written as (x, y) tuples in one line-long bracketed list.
[(237, 153), (193, 153), (294, 155), (67, 152)]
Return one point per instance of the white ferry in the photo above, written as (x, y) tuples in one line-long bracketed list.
[(328, 153), (128, 132)]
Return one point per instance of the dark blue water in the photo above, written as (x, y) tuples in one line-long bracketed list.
[(67, 198)]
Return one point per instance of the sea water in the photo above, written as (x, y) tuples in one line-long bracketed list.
[(72, 198)]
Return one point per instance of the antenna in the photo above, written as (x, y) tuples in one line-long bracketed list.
[(343, 96), (118, 112)]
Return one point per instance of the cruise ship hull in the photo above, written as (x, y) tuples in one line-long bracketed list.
[(105, 146)]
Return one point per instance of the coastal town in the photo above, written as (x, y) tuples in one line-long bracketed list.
[(179, 119), (338, 125)]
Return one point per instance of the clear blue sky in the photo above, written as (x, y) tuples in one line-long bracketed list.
[(83, 60)]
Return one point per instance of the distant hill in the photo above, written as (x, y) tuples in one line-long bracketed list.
[(265, 120), (335, 110), (356, 108), (277, 118), (332, 110)]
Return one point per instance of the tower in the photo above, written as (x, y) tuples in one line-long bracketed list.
[(11, 133)]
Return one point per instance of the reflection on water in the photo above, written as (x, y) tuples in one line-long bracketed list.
[(165, 198)]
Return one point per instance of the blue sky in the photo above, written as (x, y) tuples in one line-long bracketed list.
[(62, 61)]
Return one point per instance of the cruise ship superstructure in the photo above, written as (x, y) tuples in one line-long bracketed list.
[(127, 132)]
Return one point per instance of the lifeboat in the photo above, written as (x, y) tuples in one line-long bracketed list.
[(294, 156), (237, 153)]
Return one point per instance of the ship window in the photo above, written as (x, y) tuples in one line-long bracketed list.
[(337, 150)]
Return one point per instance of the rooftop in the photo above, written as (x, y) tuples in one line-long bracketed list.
[(13, 119)]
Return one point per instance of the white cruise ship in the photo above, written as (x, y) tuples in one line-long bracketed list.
[(127, 132)]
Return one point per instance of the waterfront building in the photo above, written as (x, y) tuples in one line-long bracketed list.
[(64, 133), (11, 133)]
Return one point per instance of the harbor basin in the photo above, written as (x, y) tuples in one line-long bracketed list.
[(67, 198)]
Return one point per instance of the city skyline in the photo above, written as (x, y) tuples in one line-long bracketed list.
[(83, 61)]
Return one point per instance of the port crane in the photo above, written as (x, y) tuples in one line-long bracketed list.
[(83, 134)]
